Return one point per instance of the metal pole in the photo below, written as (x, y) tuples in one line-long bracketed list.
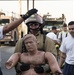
[(27, 5), (20, 6), (20, 26), (33, 4)]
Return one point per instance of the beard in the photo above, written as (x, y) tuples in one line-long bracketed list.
[(72, 34)]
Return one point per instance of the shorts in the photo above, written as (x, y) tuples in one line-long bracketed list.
[(68, 69)]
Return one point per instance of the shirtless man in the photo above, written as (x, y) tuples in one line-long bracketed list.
[(33, 58)]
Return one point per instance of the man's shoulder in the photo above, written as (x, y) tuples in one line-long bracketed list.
[(49, 33), (49, 41), (48, 54), (20, 41), (66, 40)]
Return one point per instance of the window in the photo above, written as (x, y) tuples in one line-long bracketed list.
[(4, 21)]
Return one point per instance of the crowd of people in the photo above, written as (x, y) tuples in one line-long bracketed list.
[(36, 53)]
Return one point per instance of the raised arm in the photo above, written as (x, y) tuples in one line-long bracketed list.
[(16, 23)]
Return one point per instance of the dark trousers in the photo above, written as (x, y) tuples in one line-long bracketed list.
[(68, 69), (0, 71)]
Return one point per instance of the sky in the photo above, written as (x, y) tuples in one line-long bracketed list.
[(55, 7)]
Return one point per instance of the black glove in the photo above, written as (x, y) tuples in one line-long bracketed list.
[(29, 13), (39, 69), (42, 68), (24, 66), (21, 67)]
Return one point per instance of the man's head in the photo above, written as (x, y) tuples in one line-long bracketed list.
[(35, 22), (54, 29), (30, 42), (65, 27), (71, 28)]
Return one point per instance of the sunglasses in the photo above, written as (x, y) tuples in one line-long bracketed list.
[(31, 24)]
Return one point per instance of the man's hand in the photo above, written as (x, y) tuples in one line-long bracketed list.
[(9, 64), (42, 68), (29, 13), (24, 66), (39, 69)]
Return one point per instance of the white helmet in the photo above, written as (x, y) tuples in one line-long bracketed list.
[(34, 18)]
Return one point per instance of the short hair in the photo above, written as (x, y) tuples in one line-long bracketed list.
[(54, 28), (29, 36), (64, 25), (70, 23)]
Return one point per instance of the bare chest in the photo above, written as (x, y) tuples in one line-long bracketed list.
[(35, 59)]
